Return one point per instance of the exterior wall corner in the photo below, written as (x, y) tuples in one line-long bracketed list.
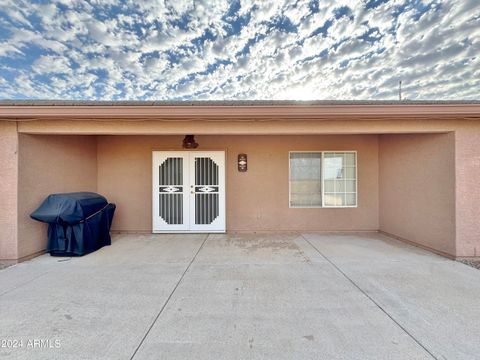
[(467, 191), (8, 191), (417, 189), (50, 164)]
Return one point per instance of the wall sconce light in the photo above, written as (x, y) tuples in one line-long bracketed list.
[(242, 162), (189, 142)]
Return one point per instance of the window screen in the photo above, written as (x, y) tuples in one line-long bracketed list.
[(305, 179)]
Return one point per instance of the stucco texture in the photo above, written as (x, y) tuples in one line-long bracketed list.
[(50, 164), (467, 157), (8, 190), (417, 189), (256, 200), (417, 179)]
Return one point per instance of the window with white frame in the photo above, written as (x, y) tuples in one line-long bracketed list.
[(305, 179), (323, 179)]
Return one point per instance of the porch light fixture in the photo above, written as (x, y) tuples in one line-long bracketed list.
[(242, 162), (189, 142)]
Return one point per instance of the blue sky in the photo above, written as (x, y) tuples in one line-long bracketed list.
[(238, 50)]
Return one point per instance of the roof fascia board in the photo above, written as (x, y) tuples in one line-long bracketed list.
[(15, 112)]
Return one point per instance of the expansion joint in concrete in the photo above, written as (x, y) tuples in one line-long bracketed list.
[(169, 297), (25, 283), (418, 342)]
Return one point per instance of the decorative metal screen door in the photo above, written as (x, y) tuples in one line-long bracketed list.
[(188, 191), (207, 182), (170, 191)]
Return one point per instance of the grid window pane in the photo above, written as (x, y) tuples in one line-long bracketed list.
[(350, 199), (340, 168), (350, 173), (350, 159), (305, 179), (329, 199), (340, 200), (340, 186), (329, 185), (350, 186), (334, 166)]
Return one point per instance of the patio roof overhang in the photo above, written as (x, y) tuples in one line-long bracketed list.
[(238, 110)]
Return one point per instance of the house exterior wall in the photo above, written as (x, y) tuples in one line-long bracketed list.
[(50, 164), (467, 157), (256, 200), (417, 189), (8, 191), (130, 154)]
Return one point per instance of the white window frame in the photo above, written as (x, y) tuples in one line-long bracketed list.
[(322, 152)]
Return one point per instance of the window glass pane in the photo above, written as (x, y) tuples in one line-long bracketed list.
[(350, 173), (350, 186), (305, 179), (329, 185), (350, 200), (350, 159), (340, 200), (339, 179), (329, 199), (333, 165), (294, 187), (334, 154), (300, 200), (340, 169), (340, 186), (315, 199)]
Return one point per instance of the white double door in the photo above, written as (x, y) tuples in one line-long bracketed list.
[(188, 191)]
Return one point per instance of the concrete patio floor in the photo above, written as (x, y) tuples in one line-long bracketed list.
[(248, 296)]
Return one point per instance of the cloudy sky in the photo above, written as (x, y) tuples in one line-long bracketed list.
[(213, 49)]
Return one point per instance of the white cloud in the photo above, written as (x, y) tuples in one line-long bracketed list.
[(51, 64), (159, 50)]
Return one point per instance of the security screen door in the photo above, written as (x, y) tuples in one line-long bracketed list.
[(188, 191)]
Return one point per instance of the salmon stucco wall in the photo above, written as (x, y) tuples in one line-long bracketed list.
[(8, 190), (467, 155), (257, 200), (417, 189), (50, 164)]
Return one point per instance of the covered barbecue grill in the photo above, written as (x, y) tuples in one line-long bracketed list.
[(78, 223)]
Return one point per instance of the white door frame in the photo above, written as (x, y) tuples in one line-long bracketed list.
[(189, 193)]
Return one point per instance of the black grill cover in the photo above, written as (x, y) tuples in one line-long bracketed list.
[(78, 223)]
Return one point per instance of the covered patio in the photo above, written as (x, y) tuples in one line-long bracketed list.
[(282, 296), (413, 177)]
